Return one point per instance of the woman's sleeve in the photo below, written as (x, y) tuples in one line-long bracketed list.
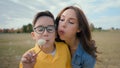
[(89, 61)]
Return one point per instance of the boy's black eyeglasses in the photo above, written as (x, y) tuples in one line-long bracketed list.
[(41, 29)]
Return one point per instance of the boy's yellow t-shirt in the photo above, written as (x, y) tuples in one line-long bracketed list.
[(61, 59)]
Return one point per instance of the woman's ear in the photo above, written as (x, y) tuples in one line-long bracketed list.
[(79, 30), (33, 35)]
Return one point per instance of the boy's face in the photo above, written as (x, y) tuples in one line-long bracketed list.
[(47, 33)]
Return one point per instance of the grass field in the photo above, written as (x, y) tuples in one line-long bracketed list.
[(12, 46)]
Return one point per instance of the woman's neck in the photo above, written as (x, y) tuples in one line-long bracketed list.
[(73, 44)]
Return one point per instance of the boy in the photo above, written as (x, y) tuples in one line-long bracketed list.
[(51, 54)]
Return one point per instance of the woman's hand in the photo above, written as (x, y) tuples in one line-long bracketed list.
[(29, 59)]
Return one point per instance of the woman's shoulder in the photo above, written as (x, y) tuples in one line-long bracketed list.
[(85, 56), (88, 58), (83, 52)]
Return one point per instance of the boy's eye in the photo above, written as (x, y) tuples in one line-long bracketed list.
[(40, 29), (51, 28)]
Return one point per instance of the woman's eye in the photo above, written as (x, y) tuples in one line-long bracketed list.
[(61, 19), (71, 22)]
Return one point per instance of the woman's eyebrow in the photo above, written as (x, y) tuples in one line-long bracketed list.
[(73, 18)]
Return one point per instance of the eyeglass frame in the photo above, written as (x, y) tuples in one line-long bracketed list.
[(44, 28)]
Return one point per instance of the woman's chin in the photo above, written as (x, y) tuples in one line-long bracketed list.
[(62, 38)]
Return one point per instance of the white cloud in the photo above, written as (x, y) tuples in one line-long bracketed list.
[(28, 5), (15, 1), (95, 6), (22, 11), (107, 22), (16, 23), (105, 4)]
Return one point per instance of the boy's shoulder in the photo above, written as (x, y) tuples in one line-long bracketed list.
[(61, 44)]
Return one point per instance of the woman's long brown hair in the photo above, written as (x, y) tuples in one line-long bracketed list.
[(84, 35)]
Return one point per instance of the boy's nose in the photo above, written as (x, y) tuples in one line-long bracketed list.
[(45, 33)]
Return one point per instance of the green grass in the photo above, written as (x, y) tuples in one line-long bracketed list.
[(12, 46)]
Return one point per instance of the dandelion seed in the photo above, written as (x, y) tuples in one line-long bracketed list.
[(41, 42)]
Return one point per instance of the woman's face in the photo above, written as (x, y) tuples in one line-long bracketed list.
[(68, 25), (46, 34)]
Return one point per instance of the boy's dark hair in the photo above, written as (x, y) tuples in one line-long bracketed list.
[(40, 14)]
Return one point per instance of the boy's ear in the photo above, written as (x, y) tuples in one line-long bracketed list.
[(33, 35)]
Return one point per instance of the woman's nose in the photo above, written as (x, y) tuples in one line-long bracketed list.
[(63, 24)]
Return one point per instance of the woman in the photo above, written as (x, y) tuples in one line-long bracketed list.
[(73, 29)]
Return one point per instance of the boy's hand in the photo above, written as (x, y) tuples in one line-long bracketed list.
[(29, 59)]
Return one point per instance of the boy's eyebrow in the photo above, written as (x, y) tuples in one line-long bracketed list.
[(37, 26), (43, 26)]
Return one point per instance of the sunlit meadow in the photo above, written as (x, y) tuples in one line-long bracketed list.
[(12, 46)]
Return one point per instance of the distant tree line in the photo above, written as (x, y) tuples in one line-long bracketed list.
[(93, 28), (24, 29), (28, 28)]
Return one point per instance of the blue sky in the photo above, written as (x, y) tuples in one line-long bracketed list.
[(16, 13)]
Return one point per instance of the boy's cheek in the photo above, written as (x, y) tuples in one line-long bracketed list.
[(34, 36)]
